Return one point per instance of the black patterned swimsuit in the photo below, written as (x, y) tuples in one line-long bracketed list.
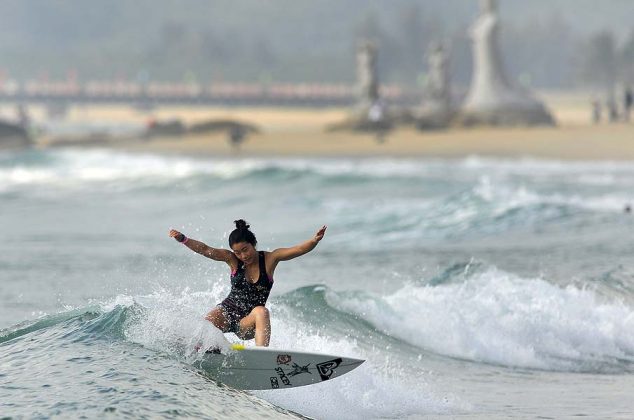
[(244, 295)]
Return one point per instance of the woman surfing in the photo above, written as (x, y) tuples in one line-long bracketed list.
[(243, 311)]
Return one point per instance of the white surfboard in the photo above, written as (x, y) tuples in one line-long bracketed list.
[(266, 368)]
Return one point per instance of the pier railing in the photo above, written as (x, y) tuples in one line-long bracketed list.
[(165, 93)]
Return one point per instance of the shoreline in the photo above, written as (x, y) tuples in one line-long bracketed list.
[(302, 133), (594, 143)]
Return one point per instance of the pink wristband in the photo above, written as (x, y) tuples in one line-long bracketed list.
[(185, 240)]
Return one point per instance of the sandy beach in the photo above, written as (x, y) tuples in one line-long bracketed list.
[(301, 132), (614, 142)]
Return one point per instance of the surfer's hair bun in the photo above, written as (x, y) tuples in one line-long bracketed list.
[(242, 234), (241, 224)]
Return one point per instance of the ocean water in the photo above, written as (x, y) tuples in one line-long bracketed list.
[(475, 288)]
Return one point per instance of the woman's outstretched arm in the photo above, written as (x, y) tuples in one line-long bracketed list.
[(217, 254), (285, 254)]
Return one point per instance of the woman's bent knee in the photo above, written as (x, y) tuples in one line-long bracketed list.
[(260, 311), (218, 318)]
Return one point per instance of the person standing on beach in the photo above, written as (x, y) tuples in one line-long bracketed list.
[(613, 112), (596, 110), (243, 311), (628, 100)]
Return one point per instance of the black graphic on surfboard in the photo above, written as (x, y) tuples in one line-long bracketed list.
[(297, 369), (326, 369)]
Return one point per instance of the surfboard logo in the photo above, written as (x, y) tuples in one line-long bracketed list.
[(274, 383), (283, 359), (282, 376), (297, 369), (326, 369)]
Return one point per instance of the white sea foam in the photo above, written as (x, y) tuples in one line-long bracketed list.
[(378, 388), (506, 196), (173, 323), (532, 166), (74, 168), (500, 318), (99, 165)]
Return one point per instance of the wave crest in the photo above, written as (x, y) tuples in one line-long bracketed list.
[(500, 318)]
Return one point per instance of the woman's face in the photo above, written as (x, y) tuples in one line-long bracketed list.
[(244, 251)]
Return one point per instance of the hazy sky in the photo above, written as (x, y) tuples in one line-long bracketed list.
[(283, 39)]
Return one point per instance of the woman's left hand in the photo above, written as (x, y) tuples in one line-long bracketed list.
[(320, 233)]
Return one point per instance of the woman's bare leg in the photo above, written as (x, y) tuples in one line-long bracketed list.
[(256, 325), (217, 317)]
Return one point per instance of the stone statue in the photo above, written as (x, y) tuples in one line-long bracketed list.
[(370, 114), (436, 109), (367, 77), (492, 99), (437, 89)]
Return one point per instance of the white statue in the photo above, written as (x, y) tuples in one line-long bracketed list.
[(492, 99), (368, 83), (437, 89)]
